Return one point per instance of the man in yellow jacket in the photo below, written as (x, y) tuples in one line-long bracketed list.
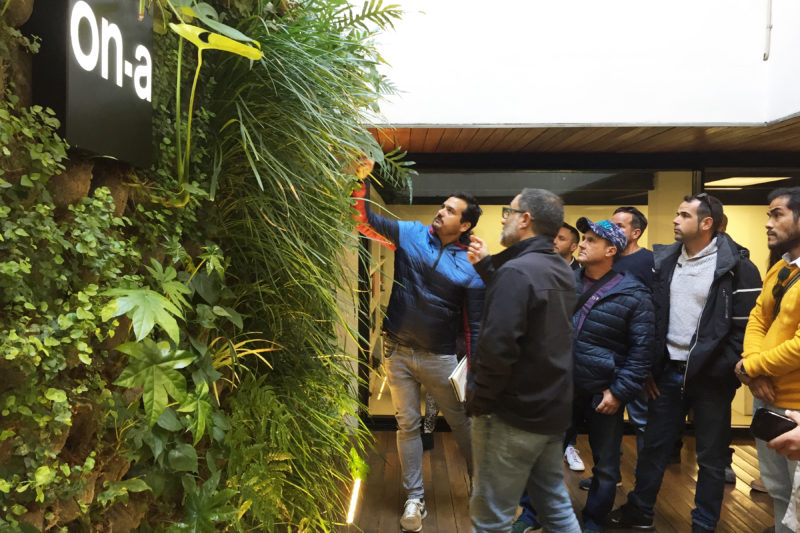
[(771, 348)]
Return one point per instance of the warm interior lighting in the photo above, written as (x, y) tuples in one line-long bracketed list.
[(383, 385), (351, 513), (723, 188), (744, 181)]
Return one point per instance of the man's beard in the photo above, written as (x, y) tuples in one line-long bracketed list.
[(781, 247), (508, 237)]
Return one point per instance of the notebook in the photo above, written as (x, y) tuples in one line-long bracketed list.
[(458, 379)]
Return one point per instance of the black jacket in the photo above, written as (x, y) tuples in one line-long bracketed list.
[(717, 343), (522, 368), (614, 346)]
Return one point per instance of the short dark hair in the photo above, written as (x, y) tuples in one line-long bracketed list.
[(710, 206), (638, 220), (472, 212), (546, 210), (794, 199), (575, 235)]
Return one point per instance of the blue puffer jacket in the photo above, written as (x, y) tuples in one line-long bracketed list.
[(614, 347), (437, 295)]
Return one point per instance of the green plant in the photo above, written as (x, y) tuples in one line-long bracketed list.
[(133, 397), (30, 148), (286, 132), (51, 277)]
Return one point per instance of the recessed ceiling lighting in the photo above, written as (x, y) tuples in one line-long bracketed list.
[(742, 181)]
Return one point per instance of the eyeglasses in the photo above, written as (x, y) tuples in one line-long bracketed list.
[(780, 288), (507, 210)]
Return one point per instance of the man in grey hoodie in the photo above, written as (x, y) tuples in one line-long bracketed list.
[(704, 288)]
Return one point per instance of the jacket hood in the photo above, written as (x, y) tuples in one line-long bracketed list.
[(728, 254)]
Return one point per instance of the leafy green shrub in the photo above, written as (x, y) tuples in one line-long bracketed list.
[(177, 366)]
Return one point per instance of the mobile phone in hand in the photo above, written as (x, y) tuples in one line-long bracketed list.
[(768, 424)]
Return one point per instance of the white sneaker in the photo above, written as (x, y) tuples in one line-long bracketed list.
[(413, 513), (573, 459)]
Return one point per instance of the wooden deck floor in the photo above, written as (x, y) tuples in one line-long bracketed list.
[(445, 478)]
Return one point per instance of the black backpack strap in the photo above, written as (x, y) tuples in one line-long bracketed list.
[(777, 308), (596, 286)]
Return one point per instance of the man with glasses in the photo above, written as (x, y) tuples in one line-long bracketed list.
[(771, 356), (703, 290), (520, 382), (436, 297)]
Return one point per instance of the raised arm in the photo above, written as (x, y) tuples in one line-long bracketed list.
[(372, 225)]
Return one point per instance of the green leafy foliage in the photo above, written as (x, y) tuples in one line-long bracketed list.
[(146, 308), (30, 150), (206, 506), (119, 490), (154, 367), (129, 379)]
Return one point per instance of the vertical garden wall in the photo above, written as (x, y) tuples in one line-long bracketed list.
[(171, 338)]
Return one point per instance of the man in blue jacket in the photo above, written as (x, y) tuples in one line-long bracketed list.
[(520, 382), (436, 297), (613, 327)]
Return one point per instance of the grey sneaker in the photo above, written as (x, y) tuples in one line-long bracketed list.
[(413, 513), (730, 475)]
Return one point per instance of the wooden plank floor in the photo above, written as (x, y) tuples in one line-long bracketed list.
[(445, 479)]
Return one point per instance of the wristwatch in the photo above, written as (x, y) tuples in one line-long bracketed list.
[(741, 371)]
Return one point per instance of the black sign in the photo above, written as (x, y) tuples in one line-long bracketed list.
[(95, 69)]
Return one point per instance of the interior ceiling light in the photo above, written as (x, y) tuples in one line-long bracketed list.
[(745, 181)]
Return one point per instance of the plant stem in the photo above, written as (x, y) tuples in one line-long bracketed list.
[(179, 159), (194, 273), (191, 108)]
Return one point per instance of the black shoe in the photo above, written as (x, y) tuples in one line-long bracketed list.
[(698, 529), (629, 517), (427, 441)]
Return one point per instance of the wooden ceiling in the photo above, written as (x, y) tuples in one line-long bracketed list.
[(780, 137)]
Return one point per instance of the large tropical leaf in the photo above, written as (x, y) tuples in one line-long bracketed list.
[(145, 308), (198, 402), (154, 367), (206, 507)]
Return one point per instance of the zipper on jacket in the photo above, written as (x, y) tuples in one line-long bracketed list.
[(696, 338), (441, 250), (697, 332), (725, 294)]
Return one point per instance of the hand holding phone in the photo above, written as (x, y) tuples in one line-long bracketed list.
[(768, 424)]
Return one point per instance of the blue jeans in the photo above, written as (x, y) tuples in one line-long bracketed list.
[(508, 460), (665, 419), (777, 473), (406, 369), (637, 416), (605, 439)]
